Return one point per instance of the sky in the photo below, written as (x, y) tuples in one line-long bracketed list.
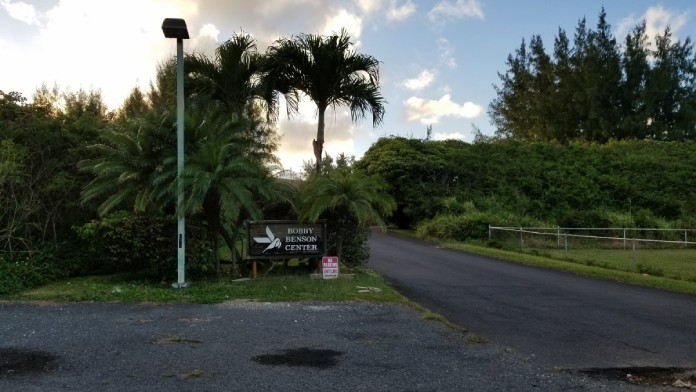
[(439, 59)]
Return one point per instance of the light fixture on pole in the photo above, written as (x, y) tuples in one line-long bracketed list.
[(176, 28)]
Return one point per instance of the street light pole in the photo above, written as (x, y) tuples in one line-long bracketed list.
[(176, 28)]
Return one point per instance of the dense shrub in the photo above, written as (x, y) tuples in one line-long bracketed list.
[(577, 184), (22, 271), (471, 224), (145, 245)]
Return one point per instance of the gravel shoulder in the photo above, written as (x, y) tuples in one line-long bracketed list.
[(252, 346)]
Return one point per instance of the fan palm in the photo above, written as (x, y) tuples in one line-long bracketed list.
[(223, 180), (330, 73), (350, 195), (128, 160)]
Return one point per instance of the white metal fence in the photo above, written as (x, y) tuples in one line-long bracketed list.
[(662, 252)]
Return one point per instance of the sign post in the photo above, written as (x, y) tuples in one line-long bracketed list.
[(330, 267)]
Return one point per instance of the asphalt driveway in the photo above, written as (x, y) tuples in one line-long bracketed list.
[(248, 346), (558, 318)]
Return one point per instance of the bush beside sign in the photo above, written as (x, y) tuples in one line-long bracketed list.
[(285, 239)]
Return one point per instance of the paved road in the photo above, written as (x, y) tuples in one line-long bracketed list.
[(560, 319)]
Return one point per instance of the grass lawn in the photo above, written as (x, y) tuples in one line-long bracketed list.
[(671, 263), (271, 288)]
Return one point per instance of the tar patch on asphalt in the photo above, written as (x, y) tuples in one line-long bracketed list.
[(21, 362), (659, 376), (304, 356)]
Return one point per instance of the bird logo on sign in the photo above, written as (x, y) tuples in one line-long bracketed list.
[(270, 239)]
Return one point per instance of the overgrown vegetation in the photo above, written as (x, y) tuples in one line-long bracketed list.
[(75, 176), (451, 189), (596, 135)]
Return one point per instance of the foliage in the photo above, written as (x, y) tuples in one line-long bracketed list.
[(145, 245), (593, 91), (573, 185), (39, 183), (126, 162), (22, 271), (465, 221), (350, 201), (232, 78), (328, 71)]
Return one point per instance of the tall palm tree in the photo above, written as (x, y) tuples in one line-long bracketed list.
[(330, 73), (348, 195), (231, 77)]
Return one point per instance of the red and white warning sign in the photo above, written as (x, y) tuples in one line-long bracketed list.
[(329, 265)]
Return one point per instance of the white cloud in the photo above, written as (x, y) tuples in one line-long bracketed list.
[(656, 18), (21, 11), (207, 39), (446, 53), (369, 6), (400, 13), (343, 20), (448, 136), (431, 111), (106, 45), (459, 9), (419, 82)]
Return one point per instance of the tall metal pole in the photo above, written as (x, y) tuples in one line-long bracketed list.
[(176, 28), (181, 224)]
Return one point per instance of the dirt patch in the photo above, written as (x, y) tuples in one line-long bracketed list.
[(655, 376), (177, 340), (21, 362), (304, 356)]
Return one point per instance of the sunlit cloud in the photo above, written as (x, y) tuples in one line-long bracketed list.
[(400, 13), (657, 19), (431, 111), (448, 136), (450, 10), (393, 10), (343, 20), (21, 11), (423, 80)]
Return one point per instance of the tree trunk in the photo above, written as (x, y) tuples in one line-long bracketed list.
[(231, 242), (318, 143), (211, 211), (339, 247)]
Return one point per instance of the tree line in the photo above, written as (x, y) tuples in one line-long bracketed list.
[(75, 176), (519, 183), (592, 88)]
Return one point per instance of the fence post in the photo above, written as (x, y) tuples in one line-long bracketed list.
[(521, 239), (633, 257), (489, 233), (565, 238), (686, 237), (624, 238), (558, 234)]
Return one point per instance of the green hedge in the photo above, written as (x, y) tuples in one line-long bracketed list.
[(146, 245)]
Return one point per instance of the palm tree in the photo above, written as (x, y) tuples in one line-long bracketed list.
[(330, 73), (232, 77), (224, 181), (349, 197), (128, 160)]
